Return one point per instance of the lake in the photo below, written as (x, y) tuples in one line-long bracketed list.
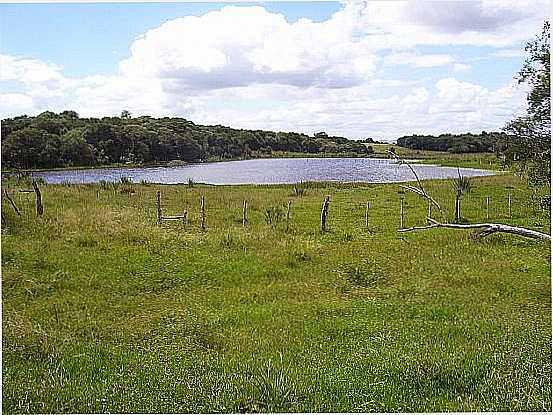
[(267, 171)]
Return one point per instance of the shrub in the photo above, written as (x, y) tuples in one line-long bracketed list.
[(299, 189), (461, 184), (274, 215)]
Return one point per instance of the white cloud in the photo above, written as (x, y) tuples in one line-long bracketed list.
[(451, 106), (508, 53), (17, 103), (418, 60), (478, 23), (460, 67), (28, 70), (238, 46)]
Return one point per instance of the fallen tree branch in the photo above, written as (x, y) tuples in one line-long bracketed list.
[(487, 229)]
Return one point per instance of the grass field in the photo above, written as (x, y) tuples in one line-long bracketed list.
[(103, 311)]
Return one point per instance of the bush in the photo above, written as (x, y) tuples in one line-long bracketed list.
[(462, 184), (299, 189), (274, 215)]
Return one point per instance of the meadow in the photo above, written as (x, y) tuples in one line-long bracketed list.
[(104, 311)]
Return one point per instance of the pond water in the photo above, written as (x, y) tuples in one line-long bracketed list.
[(267, 171)]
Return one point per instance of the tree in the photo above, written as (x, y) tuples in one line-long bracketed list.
[(529, 147)]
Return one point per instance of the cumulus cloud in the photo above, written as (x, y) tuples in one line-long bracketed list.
[(238, 46)]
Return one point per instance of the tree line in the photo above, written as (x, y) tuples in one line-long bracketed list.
[(52, 140), (457, 143)]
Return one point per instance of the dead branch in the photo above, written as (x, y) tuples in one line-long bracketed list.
[(418, 190), (486, 229)]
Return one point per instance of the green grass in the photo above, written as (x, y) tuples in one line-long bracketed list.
[(103, 311)]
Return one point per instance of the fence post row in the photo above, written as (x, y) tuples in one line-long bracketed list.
[(245, 220)]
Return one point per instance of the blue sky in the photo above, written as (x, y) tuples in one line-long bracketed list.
[(91, 38), (356, 68)]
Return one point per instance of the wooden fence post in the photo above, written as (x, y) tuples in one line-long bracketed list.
[(487, 207), (401, 214), (510, 212), (244, 214), (158, 205), (202, 212), (288, 215), (367, 216), (458, 207), (324, 213), (39, 207), (459, 198), (185, 218), (12, 203)]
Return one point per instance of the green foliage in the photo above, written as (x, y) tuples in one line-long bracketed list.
[(59, 140), (456, 143), (462, 184), (107, 185), (274, 215), (300, 189), (273, 387), (529, 149), (365, 275)]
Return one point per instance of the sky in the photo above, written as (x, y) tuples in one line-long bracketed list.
[(358, 69)]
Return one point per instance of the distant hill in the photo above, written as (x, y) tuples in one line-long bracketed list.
[(457, 143), (59, 140)]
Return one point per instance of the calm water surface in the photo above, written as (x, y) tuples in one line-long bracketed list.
[(267, 171)]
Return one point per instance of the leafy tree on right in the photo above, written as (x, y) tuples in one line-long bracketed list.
[(529, 149)]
